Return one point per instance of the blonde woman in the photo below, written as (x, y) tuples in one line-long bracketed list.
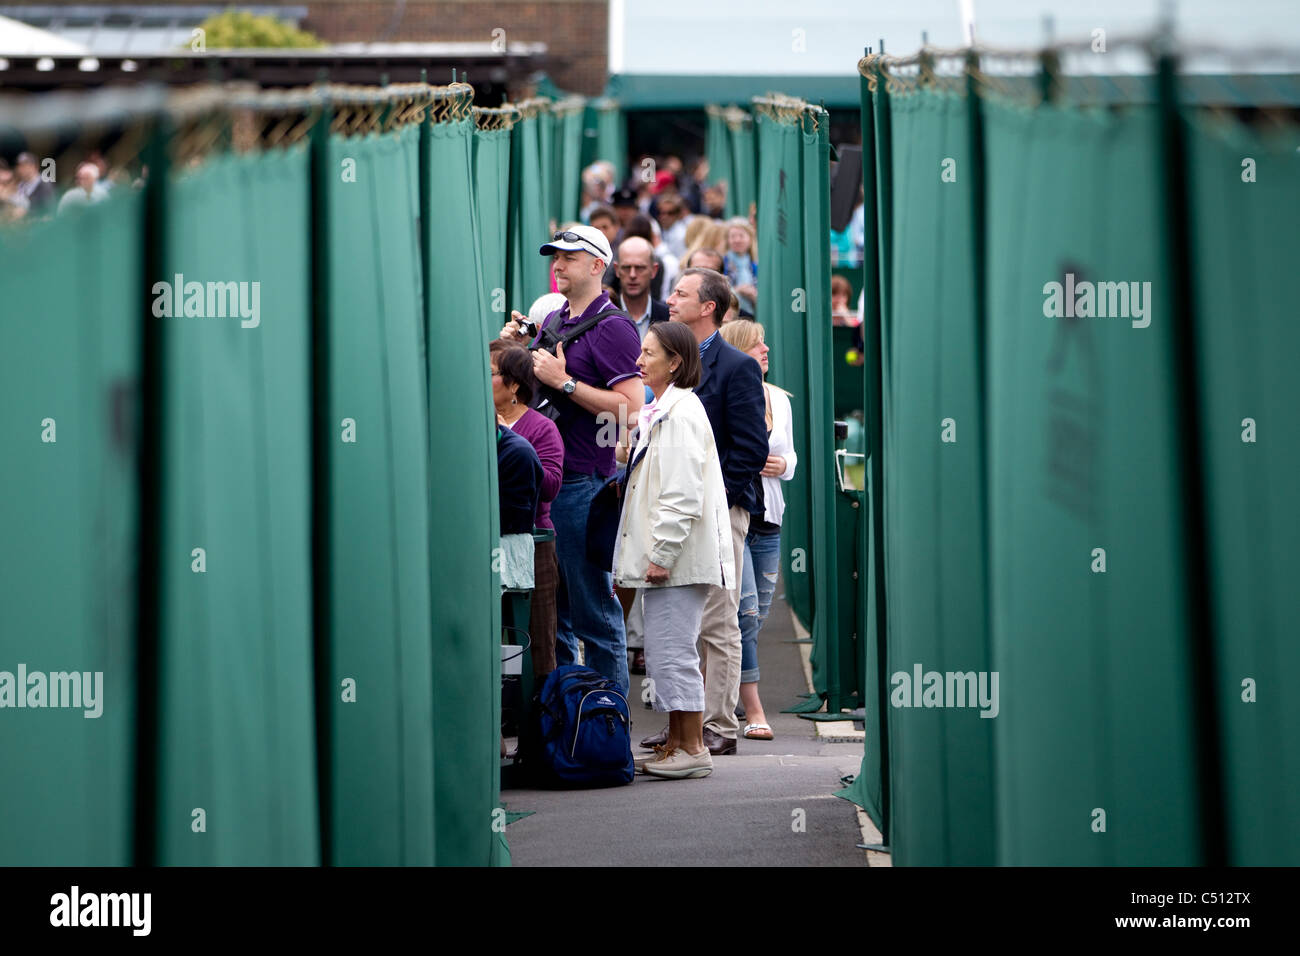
[(674, 541), (694, 230), (740, 263), (763, 543), (713, 236)]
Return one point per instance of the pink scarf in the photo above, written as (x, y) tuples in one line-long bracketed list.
[(648, 415)]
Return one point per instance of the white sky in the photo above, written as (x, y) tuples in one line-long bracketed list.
[(757, 36)]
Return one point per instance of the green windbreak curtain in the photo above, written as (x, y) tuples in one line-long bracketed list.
[(743, 191), (717, 148), (1243, 254), (568, 166), (936, 574), (465, 525), (237, 782), (547, 162), (528, 273), (491, 197), (809, 336), (781, 292), (611, 136), (381, 638), (69, 390), (869, 789), (1095, 723)]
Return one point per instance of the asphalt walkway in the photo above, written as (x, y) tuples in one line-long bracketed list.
[(769, 805)]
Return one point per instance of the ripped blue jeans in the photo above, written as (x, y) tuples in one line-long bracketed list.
[(757, 585)]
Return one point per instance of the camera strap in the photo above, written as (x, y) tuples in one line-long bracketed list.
[(549, 340)]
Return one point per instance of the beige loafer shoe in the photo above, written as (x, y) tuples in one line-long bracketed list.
[(679, 765), (640, 760)]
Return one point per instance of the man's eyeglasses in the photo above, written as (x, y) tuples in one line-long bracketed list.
[(574, 237)]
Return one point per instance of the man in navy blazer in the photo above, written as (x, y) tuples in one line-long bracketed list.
[(731, 390)]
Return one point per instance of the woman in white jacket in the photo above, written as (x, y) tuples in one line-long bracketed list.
[(763, 542), (674, 540)]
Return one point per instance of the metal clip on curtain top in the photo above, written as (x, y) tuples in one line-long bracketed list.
[(980, 62), (502, 117), (1049, 77), (736, 118), (570, 104), (925, 61)]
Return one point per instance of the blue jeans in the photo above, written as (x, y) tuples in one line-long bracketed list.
[(757, 585), (585, 606)]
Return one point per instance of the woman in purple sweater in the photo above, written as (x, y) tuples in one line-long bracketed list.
[(512, 391)]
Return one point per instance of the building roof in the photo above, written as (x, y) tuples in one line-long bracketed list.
[(21, 39), (132, 29)]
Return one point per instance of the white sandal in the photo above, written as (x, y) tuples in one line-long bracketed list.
[(750, 736)]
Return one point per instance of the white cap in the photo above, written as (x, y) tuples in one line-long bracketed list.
[(587, 239)]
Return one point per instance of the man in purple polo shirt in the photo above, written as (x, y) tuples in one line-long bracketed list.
[(599, 376)]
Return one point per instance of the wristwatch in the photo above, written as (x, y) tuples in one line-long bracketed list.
[(570, 386)]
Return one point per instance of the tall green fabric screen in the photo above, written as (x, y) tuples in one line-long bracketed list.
[(934, 530), (611, 137), (382, 738), (1243, 251), (744, 175), (717, 148), (869, 789), (781, 292), (491, 203), (465, 525), (568, 168), (1095, 701), (810, 331), (546, 163), (237, 770), (590, 134), (69, 391), (528, 273)]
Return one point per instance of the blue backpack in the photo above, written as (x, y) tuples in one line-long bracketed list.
[(583, 730)]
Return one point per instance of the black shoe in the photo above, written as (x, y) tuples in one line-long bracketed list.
[(657, 740), (638, 662), (719, 745), (740, 712)]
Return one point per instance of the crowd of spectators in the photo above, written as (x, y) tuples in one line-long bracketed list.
[(30, 187), (679, 215), (675, 285), (659, 390)]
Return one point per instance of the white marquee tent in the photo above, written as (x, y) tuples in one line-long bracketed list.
[(19, 39)]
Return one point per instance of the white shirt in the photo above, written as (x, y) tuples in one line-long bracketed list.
[(780, 442), (675, 237), (671, 266), (76, 196), (642, 321)]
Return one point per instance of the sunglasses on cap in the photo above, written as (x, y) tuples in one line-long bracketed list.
[(563, 236)]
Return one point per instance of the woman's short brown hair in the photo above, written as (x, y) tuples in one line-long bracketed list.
[(516, 365), (841, 286), (678, 339)]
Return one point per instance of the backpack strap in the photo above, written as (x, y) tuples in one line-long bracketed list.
[(636, 459), (582, 328)]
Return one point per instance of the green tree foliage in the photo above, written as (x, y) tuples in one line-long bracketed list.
[(242, 30)]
